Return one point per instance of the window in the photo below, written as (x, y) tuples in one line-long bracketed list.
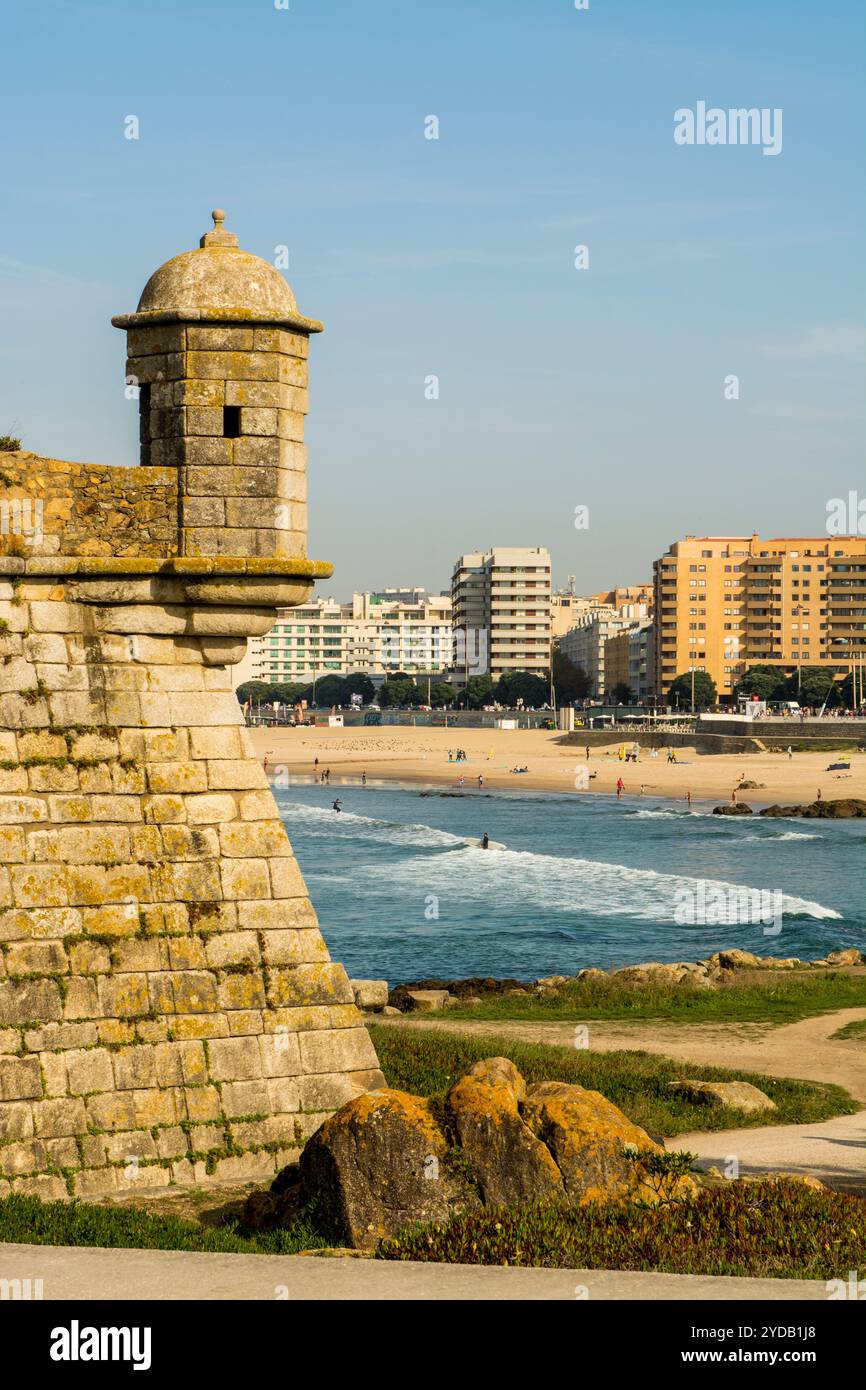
[(231, 421)]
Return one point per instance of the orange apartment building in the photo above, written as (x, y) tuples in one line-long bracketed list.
[(725, 603)]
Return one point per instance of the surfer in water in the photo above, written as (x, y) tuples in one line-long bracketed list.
[(485, 841), (338, 805)]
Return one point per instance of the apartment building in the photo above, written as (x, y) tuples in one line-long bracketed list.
[(725, 603), (628, 661), (586, 643), (376, 633), (501, 611), (567, 608)]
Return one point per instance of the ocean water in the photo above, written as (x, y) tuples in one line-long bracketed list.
[(403, 893)]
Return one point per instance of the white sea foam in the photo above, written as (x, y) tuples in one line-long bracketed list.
[(546, 881), (777, 839), (571, 885), (322, 822)]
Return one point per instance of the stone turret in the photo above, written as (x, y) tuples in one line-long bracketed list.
[(219, 352), (169, 1011)]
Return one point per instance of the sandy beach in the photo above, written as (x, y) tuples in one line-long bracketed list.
[(421, 756)]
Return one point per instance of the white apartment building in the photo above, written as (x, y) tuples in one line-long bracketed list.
[(501, 612), (376, 633), (584, 644)]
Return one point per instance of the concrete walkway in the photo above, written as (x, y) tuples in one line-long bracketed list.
[(75, 1274), (833, 1150)]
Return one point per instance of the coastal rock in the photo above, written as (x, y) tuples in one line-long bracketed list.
[(388, 1160), (551, 982), (501, 1071), (507, 1161), (398, 998), (843, 808), (805, 1179), (736, 960), (740, 809), (849, 956), (728, 1095), (370, 994), (425, 1001), (588, 1137), (375, 1166), (653, 972), (592, 973)]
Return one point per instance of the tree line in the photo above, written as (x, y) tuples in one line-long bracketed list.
[(401, 690)]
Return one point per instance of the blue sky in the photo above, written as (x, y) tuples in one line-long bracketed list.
[(454, 257)]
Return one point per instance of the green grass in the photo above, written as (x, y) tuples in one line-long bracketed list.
[(26, 1220), (769, 1230), (428, 1061), (851, 1030), (781, 998)]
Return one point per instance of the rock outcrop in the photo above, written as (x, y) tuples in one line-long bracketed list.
[(377, 1165), (723, 1095), (388, 1160), (843, 808)]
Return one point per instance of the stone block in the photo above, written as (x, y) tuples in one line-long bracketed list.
[(55, 1119), (342, 1049), (89, 1070), (244, 879), (16, 1121), (114, 1110), (28, 1156), (322, 983), (28, 1002), (235, 1059), (246, 840)]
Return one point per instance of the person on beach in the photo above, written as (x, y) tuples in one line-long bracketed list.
[(265, 761), (316, 765), (328, 775), (818, 797), (689, 797), (480, 781), (790, 752), (620, 787), (363, 779), (587, 752), (734, 797)]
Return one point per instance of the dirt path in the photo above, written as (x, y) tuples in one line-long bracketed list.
[(803, 1050), (833, 1150)]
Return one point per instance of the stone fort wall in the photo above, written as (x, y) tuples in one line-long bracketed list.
[(168, 1008)]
